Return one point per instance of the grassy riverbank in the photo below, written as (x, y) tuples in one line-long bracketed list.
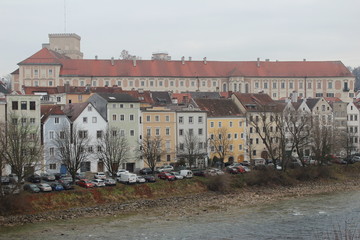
[(192, 196)]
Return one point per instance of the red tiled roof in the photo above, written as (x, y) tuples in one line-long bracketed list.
[(332, 99), (72, 90), (181, 97), (154, 68), (45, 56), (47, 110)]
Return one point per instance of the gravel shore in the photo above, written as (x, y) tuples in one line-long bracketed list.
[(193, 204)]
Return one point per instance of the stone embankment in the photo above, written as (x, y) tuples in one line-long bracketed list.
[(193, 204)]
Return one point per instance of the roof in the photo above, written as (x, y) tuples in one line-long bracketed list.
[(154, 68), (212, 95), (161, 98), (47, 110), (74, 110), (3, 89), (218, 107), (117, 97), (44, 56), (72, 90), (311, 102), (254, 102)]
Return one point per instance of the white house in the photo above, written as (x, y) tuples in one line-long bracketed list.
[(353, 121)]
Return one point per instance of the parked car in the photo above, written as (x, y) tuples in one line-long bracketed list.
[(85, 183), (127, 178), (10, 189), (14, 178), (48, 177), (232, 170), (145, 171), (177, 175), (100, 175), (356, 158), (166, 176), (120, 171), (67, 185), (213, 172), (44, 187), (140, 179), (149, 178), (66, 179), (98, 182), (80, 175), (5, 180), (165, 168), (109, 182), (57, 187), (186, 173), (34, 178), (198, 172), (60, 175), (33, 188)]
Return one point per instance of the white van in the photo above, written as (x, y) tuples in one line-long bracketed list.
[(127, 177), (186, 173)]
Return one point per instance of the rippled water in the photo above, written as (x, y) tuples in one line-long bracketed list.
[(314, 217)]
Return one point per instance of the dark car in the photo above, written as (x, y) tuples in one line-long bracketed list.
[(31, 188), (198, 172), (66, 179), (67, 185), (149, 178), (145, 171), (57, 187), (166, 176), (48, 177), (232, 170), (34, 178)]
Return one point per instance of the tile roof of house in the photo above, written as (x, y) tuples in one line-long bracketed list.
[(73, 110), (161, 98), (154, 68), (71, 90), (218, 107), (47, 110), (332, 99), (311, 102), (182, 98), (254, 102), (118, 97)]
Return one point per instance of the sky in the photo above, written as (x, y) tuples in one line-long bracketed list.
[(226, 30)]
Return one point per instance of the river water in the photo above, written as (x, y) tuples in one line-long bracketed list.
[(311, 217)]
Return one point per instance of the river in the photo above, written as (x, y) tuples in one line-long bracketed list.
[(311, 217)]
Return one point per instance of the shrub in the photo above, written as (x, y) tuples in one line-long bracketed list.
[(219, 183), (268, 176)]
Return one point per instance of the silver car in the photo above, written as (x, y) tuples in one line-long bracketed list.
[(98, 182), (44, 187)]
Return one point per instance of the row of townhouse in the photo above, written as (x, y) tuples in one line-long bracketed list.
[(202, 117)]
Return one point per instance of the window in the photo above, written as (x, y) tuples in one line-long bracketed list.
[(32, 105), (318, 94), (181, 132), (167, 131), (148, 131), (309, 85), (90, 149), (51, 135), (265, 85), (14, 121), (23, 105), (79, 98), (83, 134), (171, 83), (52, 166), (151, 83), (330, 95), (58, 99), (191, 120), (200, 131), (122, 117), (50, 72), (181, 119), (142, 83), (23, 121), (132, 133), (36, 72), (114, 117), (122, 132), (82, 83), (167, 118), (157, 118), (131, 117), (330, 85), (240, 123), (220, 124), (242, 135), (230, 124), (157, 131), (32, 120), (291, 85), (240, 147), (200, 119), (121, 105), (119, 83), (114, 133), (300, 85), (148, 118), (229, 135), (99, 149), (214, 84), (85, 120), (114, 105), (235, 135), (181, 146), (181, 83), (94, 119), (131, 105), (51, 150), (62, 135), (274, 85), (98, 134), (15, 105), (212, 124), (319, 85), (191, 131), (274, 95), (256, 85), (160, 83)]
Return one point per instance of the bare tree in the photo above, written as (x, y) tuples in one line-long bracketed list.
[(125, 55), (7, 80), (150, 149), (298, 128), (322, 142), (191, 149), (115, 150), (220, 143), (72, 143), (20, 147)]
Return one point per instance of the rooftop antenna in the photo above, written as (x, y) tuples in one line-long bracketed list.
[(64, 16)]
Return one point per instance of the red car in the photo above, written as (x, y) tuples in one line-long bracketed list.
[(85, 183), (166, 176)]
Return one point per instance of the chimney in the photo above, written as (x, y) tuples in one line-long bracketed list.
[(96, 57), (304, 59), (190, 58), (258, 62), (134, 62), (294, 96), (112, 61), (182, 60), (204, 60)]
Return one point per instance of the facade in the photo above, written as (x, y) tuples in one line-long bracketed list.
[(89, 123), (122, 112), (353, 127), (48, 67), (54, 123), (161, 122)]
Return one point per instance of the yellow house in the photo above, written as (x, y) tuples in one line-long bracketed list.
[(225, 128), (161, 121)]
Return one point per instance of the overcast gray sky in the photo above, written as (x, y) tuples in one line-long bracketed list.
[(233, 30)]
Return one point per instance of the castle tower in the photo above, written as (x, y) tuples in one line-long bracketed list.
[(65, 43)]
